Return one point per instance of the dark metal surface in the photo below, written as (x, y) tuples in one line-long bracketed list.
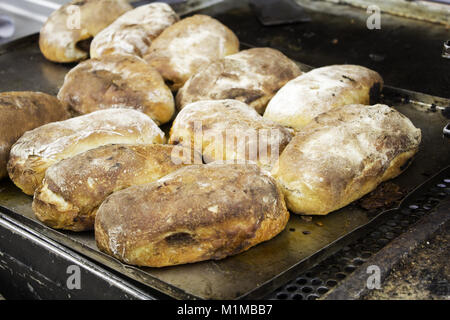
[(352, 260), (277, 12), (406, 52), (355, 286), (33, 267), (264, 267)]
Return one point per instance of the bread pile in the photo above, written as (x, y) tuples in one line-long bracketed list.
[(254, 136)]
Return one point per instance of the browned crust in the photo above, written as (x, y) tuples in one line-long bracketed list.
[(176, 58), (40, 148), (73, 188), (117, 81), (344, 154), (59, 43), (23, 111), (252, 76), (197, 213)]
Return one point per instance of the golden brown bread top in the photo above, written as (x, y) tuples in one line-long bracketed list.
[(117, 81), (38, 149), (60, 37), (229, 130), (218, 199), (22, 111), (188, 45), (345, 147), (252, 76), (134, 31), (320, 90), (73, 188)]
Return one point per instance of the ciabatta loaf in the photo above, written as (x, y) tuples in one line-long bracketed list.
[(73, 188), (196, 213), (229, 130), (134, 31), (38, 149), (344, 154), (66, 35), (252, 76), (320, 90), (185, 47), (117, 81)]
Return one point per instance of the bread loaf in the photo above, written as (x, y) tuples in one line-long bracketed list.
[(344, 154), (23, 111), (196, 213), (134, 31), (73, 188), (229, 130), (184, 48), (320, 90), (38, 149), (252, 76), (65, 36), (115, 81)]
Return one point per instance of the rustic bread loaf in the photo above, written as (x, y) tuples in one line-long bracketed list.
[(74, 188), (320, 90), (23, 111), (184, 48), (38, 149), (196, 213), (113, 81), (229, 130), (252, 76), (344, 154), (134, 31), (66, 34)]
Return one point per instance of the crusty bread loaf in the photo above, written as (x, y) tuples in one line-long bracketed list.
[(113, 81), (252, 76), (320, 90), (38, 149), (344, 154), (229, 130), (188, 45), (23, 111), (73, 188), (134, 31), (196, 213), (66, 34)]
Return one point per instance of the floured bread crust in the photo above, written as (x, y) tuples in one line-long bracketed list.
[(344, 154), (134, 31), (61, 38), (252, 76), (21, 111), (229, 130), (320, 90), (189, 45), (38, 149), (73, 188), (117, 81), (171, 221)]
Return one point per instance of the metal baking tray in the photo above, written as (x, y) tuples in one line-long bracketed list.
[(263, 268)]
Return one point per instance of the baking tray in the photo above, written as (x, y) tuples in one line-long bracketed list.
[(261, 269)]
